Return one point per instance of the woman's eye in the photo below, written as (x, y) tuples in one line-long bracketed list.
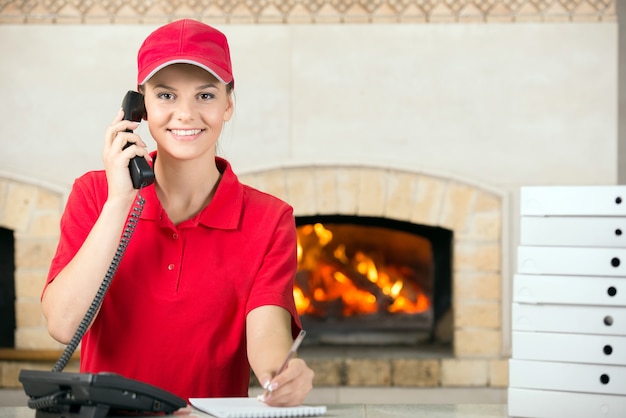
[(206, 96), (165, 96)]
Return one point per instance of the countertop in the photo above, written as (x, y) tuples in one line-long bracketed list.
[(357, 411)]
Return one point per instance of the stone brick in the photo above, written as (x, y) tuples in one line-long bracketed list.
[(456, 209), (348, 181), (499, 373), (485, 202), (372, 192), (11, 371), (49, 201), (477, 256), (328, 372), (368, 372), (252, 180), (45, 225), (28, 313), (481, 314), (484, 227), (301, 190), (20, 203), (428, 200), (415, 372), (274, 183), (477, 286), (455, 372), (476, 342), (34, 253), (29, 283), (326, 190), (400, 189)]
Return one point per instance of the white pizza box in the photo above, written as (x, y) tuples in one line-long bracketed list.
[(573, 200), (573, 231), (573, 290), (567, 377), (602, 320), (569, 348), (576, 261), (531, 403)]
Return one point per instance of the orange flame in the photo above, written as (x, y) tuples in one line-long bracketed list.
[(330, 288)]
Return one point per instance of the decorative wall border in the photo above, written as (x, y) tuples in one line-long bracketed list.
[(305, 11)]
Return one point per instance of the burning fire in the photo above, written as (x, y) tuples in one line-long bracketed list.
[(329, 282)]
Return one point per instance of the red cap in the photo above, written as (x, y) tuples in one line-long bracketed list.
[(185, 41)]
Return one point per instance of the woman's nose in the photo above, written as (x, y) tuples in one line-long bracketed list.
[(184, 110)]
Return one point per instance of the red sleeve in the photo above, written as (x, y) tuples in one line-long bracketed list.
[(275, 280), (82, 209)]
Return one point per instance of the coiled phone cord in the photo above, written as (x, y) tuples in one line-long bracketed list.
[(46, 401), (104, 286)]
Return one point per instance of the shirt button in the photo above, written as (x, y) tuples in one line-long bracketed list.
[(175, 235), (170, 267)]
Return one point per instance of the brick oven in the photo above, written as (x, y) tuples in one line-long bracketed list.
[(471, 346)]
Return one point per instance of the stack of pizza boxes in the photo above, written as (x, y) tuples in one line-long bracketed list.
[(569, 304)]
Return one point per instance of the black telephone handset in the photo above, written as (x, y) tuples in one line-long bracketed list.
[(140, 171)]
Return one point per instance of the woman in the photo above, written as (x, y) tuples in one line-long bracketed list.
[(204, 291)]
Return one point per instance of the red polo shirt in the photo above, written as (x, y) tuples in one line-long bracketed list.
[(176, 310)]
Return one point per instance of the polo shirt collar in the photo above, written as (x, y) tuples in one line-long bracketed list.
[(224, 210)]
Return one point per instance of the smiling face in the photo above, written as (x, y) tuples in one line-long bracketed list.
[(186, 107)]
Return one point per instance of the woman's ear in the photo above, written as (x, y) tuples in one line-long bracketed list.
[(228, 112)]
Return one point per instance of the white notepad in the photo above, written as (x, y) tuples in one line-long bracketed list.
[(252, 408)]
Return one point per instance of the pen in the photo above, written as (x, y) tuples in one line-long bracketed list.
[(290, 354)]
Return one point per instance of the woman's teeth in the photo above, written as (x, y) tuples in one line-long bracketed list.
[(186, 132)]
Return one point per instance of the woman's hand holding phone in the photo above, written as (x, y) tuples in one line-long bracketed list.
[(117, 155)]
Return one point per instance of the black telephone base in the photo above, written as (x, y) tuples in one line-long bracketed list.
[(94, 395)]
